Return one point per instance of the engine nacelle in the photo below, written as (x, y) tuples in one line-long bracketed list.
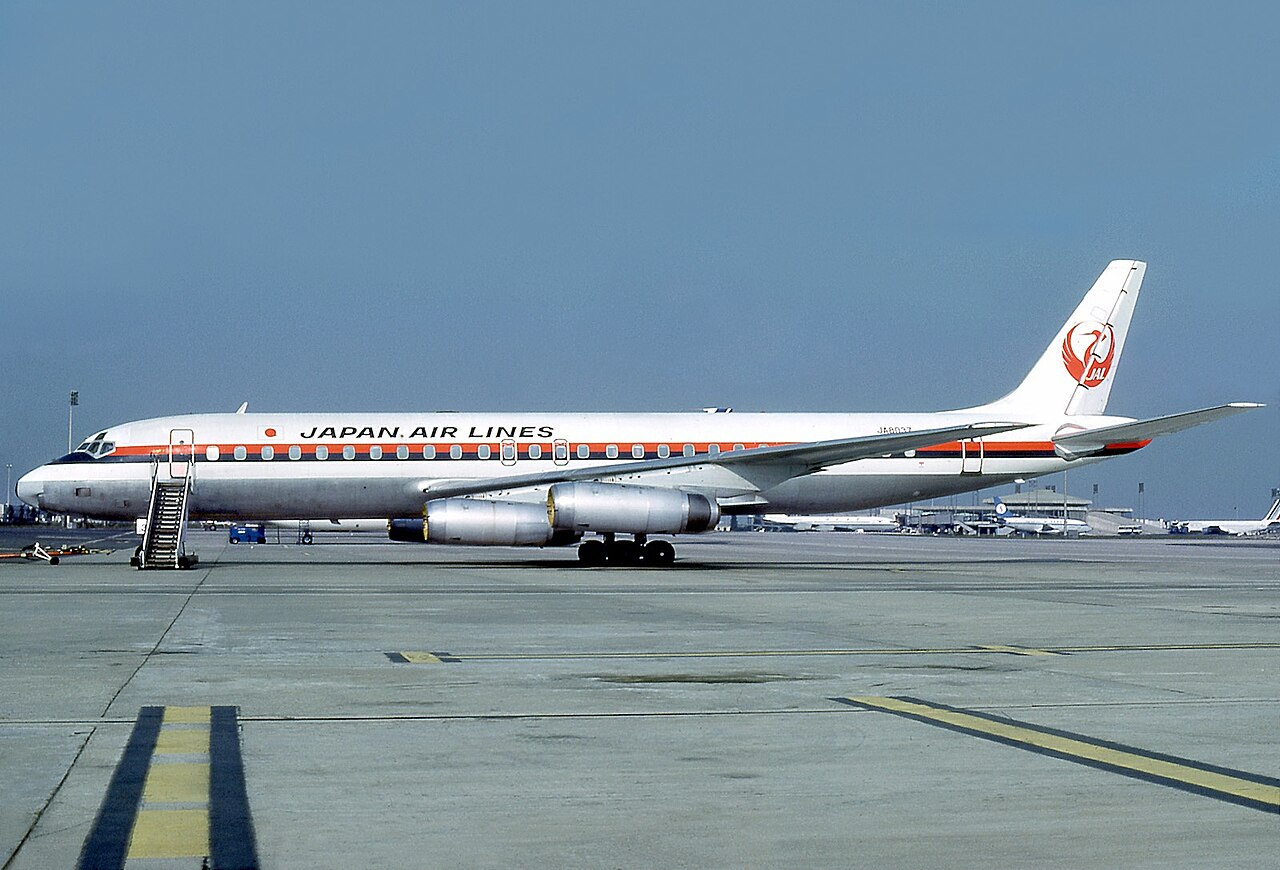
[(493, 523), (405, 530), (636, 510)]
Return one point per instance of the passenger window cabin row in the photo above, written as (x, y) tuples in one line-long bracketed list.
[(509, 453)]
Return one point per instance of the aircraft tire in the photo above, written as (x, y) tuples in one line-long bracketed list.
[(53, 560), (659, 553), (306, 539), (592, 554)]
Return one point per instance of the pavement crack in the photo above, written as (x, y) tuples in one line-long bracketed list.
[(159, 641), (39, 814)]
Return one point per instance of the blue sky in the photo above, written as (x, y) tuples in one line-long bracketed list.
[(814, 206)]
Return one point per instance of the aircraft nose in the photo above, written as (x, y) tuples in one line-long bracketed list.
[(30, 486)]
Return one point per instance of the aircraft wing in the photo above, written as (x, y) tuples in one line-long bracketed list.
[(1091, 441), (784, 460)]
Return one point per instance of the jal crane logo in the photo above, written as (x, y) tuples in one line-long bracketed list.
[(1088, 351)]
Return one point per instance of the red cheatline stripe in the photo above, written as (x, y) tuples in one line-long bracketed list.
[(989, 448)]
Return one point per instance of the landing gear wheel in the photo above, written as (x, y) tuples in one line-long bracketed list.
[(659, 553), (592, 553), (624, 553)]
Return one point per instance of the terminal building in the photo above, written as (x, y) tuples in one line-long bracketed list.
[(980, 519)]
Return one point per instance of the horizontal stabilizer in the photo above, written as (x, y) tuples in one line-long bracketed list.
[(1077, 444)]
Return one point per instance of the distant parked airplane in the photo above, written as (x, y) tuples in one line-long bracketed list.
[(834, 522), (1029, 525), (1269, 523)]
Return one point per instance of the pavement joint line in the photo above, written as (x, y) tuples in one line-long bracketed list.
[(1239, 787), (177, 792), (437, 657), (616, 591)]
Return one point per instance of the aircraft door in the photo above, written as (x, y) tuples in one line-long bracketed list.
[(181, 452), (560, 451), (971, 453), (507, 451)]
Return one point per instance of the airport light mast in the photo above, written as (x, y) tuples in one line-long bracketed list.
[(71, 403)]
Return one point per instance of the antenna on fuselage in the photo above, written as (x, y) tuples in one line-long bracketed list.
[(244, 406)]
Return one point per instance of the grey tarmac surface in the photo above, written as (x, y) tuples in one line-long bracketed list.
[(407, 706)]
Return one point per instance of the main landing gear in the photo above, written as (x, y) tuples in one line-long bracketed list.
[(625, 553)]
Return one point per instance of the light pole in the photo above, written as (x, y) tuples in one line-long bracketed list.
[(8, 486), (71, 403)]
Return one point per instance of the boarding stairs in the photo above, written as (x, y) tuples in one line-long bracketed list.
[(164, 541)]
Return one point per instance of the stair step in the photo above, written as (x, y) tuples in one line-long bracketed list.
[(165, 517)]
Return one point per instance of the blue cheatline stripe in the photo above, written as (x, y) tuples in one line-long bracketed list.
[(282, 458), (108, 840), (231, 839)]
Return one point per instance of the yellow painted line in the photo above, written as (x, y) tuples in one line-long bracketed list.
[(175, 741), (177, 783), (170, 834), (1165, 647), (1018, 650), (1235, 786), (186, 716)]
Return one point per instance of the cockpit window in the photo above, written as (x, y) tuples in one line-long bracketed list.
[(95, 446)]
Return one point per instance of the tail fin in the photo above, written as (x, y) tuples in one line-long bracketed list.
[(1075, 374), (1274, 513)]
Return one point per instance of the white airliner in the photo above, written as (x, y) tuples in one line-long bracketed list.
[(521, 479), (834, 522), (1267, 525), (1031, 525)]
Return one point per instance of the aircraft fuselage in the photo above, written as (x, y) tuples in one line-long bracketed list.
[(301, 466)]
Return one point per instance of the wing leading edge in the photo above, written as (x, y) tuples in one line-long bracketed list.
[(784, 461)]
